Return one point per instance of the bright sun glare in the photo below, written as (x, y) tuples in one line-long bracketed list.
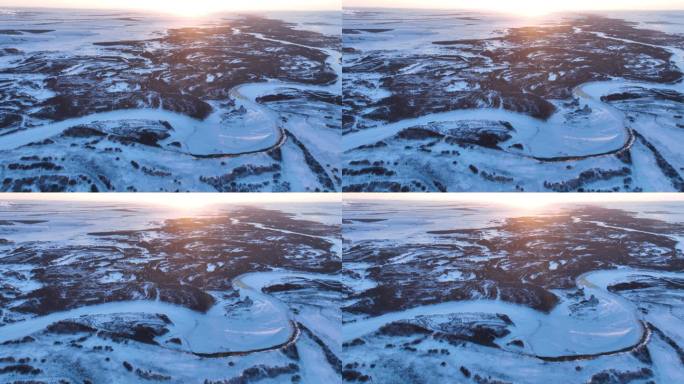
[(182, 202), (525, 8), (536, 8), (524, 201), (186, 8)]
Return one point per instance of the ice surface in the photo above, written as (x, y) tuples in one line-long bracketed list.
[(228, 309), (251, 139), (446, 299), (401, 64)]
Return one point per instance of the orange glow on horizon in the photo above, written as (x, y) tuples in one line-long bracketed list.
[(525, 8), (523, 201), (179, 201), (184, 8), (194, 200)]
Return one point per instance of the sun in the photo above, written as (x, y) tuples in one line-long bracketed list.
[(183, 8), (186, 10), (182, 202), (198, 8), (523, 203), (523, 8)]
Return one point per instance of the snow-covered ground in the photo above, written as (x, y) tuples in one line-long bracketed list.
[(414, 291), (401, 64), (455, 290), (225, 293), (243, 136)]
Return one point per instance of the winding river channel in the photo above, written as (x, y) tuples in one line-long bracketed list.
[(260, 129), (603, 132), (265, 324), (611, 324)]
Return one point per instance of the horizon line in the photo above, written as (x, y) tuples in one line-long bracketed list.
[(496, 11), (146, 10), (160, 198), (341, 9)]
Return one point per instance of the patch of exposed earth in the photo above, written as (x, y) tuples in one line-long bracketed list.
[(589, 293), (242, 104), (246, 294), (582, 103)]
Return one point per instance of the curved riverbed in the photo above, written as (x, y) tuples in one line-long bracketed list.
[(258, 130), (265, 324), (609, 324), (602, 132)]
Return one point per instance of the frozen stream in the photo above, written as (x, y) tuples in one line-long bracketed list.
[(611, 324), (258, 130), (603, 132), (265, 324)]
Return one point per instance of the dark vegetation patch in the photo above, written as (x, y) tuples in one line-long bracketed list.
[(508, 274)]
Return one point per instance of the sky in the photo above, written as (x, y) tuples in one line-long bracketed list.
[(176, 200), (524, 200), (203, 7), (523, 6), (203, 199), (182, 7)]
